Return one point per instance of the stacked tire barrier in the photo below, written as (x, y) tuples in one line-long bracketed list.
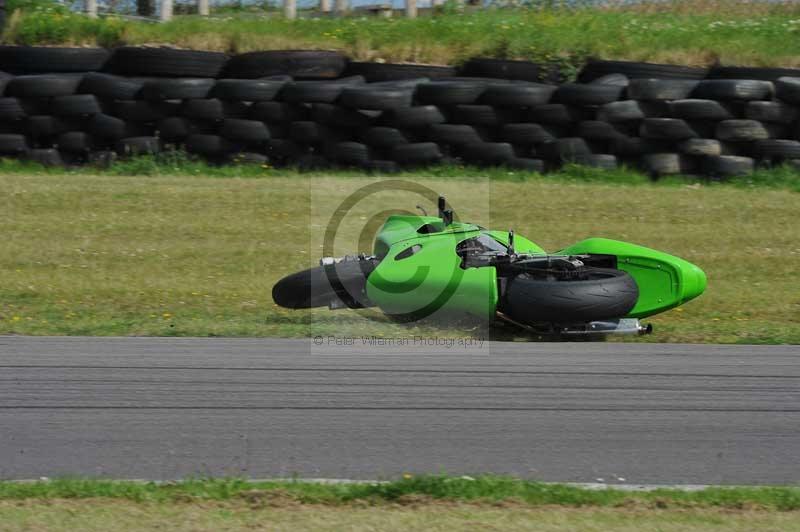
[(317, 110)]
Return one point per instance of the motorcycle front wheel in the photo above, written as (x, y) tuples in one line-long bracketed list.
[(343, 282)]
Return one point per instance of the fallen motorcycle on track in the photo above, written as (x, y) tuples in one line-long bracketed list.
[(421, 265)]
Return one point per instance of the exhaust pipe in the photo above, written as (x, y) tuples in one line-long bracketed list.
[(620, 326)]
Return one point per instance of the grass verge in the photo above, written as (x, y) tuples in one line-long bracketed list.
[(179, 164), (696, 32), (410, 489), (102, 515), (182, 256)]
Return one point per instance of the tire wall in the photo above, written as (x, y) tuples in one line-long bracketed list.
[(316, 110)]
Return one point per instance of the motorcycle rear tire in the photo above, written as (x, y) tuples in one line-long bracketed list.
[(605, 294)]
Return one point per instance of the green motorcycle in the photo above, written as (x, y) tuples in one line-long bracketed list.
[(423, 265)]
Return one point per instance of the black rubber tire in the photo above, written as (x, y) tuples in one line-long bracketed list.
[(480, 80), (383, 137), (619, 80), (704, 147), (400, 83), (176, 129), (76, 142), (762, 73), (598, 130), (417, 154), (301, 64), (414, 117), (317, 91), (177, 88), (607, 294), (11, 110), (777, 149), (506, 69), (44, 127), (727, 166), (528, 134), (747, 130), (582, 95), (637, 146), (334, 115), (489, 153), (734, 89), (450, 92), (658, 164), (320, 286), (601, 161), (377, 72), (110, 86), (518, 94), (454, 134), (527, 164), (667, 129), (213, 109), (376, 98), (283, 150), (44, 60), (557, 114), (480, 115), (75, 105), (138, 146), (659, 90), (635, 70), (43, 86), (248, 132), (247, 90), (349, 153), (278, 112), (166, 62), (144, 111), (629, 110), (308, 132), (773, 112), (695, 109), (209, 145), (35, 106), (45, 156), (111, 128), (13, 144), (5, 78), (278, 131), (567, 149), (787, 89)]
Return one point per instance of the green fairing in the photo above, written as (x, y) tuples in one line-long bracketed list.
[(664, 281), (432, 277)]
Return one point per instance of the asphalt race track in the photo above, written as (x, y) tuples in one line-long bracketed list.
[(263, 408)]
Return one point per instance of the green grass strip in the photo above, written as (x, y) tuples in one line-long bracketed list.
[(693, 32), (174, 164), (438, 487)]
